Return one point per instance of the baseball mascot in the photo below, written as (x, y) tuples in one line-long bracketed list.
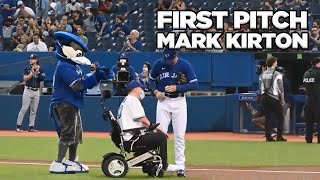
[(70, 83)]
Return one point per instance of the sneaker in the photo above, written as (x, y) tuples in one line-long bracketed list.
[(171, 168), (281, 139), (32, 130), (80, 168), (19, 130), (61, 168), (181, 173)]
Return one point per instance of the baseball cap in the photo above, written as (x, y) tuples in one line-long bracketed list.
[(19, 3), (169, 55), (122, 55), (281, 69), (135, 84), (315, 61), (33, 56)]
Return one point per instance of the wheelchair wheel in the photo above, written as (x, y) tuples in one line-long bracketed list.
[(114, 166), (153, 172)]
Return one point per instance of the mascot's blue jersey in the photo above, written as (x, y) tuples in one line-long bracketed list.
[(168, 75), (65, 76)]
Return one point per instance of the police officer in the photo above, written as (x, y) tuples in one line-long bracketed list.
[(32, 77), (271, 88), (311, 79), (119, 88), (131, 118)]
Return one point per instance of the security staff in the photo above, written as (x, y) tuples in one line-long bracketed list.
[(131, 118), (271, 87), (311, 79), (32, 77)]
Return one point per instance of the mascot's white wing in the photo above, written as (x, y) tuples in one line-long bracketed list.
[(75, 55)]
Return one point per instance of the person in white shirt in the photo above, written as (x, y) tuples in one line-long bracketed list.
[(24, 11), (132, 119), (37, 45), (73, 5)]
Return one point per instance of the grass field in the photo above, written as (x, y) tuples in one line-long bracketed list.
[(199, 153)]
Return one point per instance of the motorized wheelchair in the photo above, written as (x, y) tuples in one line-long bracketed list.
[(117, 165)]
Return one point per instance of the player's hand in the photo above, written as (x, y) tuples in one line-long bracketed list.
[(160, 96), (172, 88)]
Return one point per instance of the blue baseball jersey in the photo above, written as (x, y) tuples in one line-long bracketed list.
[(64, 77), (168, 75), (34, 82)]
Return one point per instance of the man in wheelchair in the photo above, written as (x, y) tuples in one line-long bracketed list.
[(133, 123)]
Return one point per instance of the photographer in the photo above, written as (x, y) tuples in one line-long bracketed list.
[(95, 91), (33, 75), (132, 43), (124, 73)]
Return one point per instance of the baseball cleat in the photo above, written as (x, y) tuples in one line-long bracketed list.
[(61, 168), (181, 173), (19, 130), (171, 168), (80, 168)]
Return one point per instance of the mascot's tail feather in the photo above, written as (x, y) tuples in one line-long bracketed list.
[(53, 116)]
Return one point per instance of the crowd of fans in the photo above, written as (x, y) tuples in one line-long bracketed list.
[(103, 24)]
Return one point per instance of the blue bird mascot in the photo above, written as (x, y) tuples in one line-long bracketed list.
[(70, 83)]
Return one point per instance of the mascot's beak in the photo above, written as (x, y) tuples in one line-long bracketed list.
[(75, 55), (81, 60)]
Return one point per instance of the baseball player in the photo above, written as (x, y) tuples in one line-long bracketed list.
[(32, 77), (174, 77)]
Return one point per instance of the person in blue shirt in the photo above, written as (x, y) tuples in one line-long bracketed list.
[(70, 83), (7, 8), (175, 76), (120, 29), (32, 76), (124, 73), (132, 44)]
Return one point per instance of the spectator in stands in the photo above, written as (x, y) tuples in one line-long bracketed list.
[(7, 8), (267, 5), (119, 28), (23, 11), (90, 29), (105, 6), (295, 4), (144, 75), (64, 23), (91, 4), (37, 45), (314, 44), (132, 44), (73, 5), (76, 21), (314, 7), (7, 30), (60, 9), (178, 5), (162, 5), (16, 36), (22, 47), (42, 8), (316, 22), (21, 22), (281, 5), (121, 7), (50, 26), (33, 24), (80, 33)]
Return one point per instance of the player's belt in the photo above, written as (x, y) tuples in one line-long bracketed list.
[(174, 95), (32, 89)]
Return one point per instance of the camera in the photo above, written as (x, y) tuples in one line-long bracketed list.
[(261, 66), (122, 76)]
